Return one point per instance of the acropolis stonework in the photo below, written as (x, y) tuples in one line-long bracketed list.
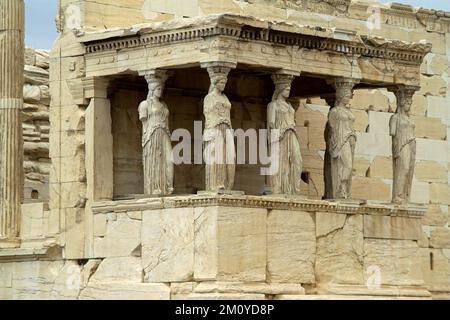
[(94, 207)]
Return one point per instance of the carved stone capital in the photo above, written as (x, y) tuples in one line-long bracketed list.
[(155, 76), (404, 95), (343, 83), (282, 77), (344, 89), (218, 69), (219, 64), (95, 87), (288, 72)]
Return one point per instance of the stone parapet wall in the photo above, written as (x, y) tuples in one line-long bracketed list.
[(235, 248)]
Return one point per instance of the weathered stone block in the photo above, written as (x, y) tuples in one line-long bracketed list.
[(126, 269), (432, 150), (339, 248), (123, 236), (433, 86), (168, 245), (430, 128), (440, 193), (379, 122), (440, 238), (100, 225), (396, 228), (125, 291), (382, 167), (436, 269), (230, 244), (361, 120), (286, 262), (397, 260), (420, 193), (38, 280), (430, 171), (368, 99), (374, 144), (438, 107), (419, 105), (436, 215), (435, 64), (361, 166), (371, 189), (33, 220)]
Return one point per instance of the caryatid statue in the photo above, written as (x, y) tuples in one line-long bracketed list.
[(403, 145), (219, 149), (340, 137), (283, 140), (156, 138)]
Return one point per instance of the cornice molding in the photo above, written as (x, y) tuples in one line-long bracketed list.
[(242, 28), (267, 202)]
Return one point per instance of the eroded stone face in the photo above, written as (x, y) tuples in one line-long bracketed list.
[(230, 244), (397, 261), (340, 249), (168, 245), (286, 262)]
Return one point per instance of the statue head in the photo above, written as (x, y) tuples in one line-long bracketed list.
[(404, 99), (155, 90), (344, 93), (283, 85), (156, 83), (219, 78)]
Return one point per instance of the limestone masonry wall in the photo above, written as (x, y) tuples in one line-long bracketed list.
[(36, 125)]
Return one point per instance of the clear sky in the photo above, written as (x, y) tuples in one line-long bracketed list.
[(41, 31)]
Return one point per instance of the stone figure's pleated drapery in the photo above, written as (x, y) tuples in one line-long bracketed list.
[(402, 129), (156, 142), (219, 150), (283, 140), (340, 137), (341, 144)]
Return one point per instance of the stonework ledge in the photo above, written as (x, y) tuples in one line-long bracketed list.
[(267, 202), (383, 292), (47, 252)]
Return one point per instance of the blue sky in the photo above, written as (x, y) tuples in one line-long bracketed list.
[(41, 31)]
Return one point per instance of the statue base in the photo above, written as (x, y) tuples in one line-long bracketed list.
[(286, 196), (348, 201), (221, 193)]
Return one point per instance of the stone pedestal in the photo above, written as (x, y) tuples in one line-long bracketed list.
[(211, 246), (11, 102)]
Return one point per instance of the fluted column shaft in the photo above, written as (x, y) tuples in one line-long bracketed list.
[(11, 102)]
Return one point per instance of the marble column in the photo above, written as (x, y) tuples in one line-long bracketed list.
[(219, 150), (11, 102), (402, 131), (340, 138)]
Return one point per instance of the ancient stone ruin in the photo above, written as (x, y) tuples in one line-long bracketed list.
[(354, 99)]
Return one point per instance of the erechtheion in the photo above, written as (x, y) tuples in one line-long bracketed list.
[(354, 97)]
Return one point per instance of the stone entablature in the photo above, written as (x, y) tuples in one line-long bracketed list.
[(234, 38), (269, 202)]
